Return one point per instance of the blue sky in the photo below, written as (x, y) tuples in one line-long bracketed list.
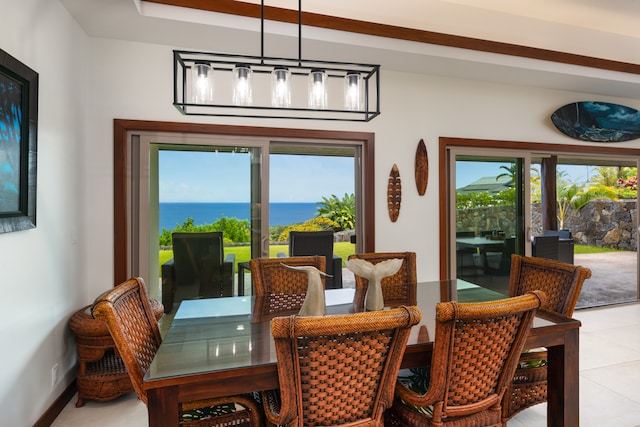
[(472, 171), (190, 176)]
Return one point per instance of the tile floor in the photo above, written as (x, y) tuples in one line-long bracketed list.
[(609, 380)]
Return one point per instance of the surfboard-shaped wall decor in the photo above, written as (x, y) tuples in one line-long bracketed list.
[(597, 121), (394, 193), (422, 168)]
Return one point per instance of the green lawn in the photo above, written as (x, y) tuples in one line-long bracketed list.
[(343, 250), (243, 253), (583, 249)]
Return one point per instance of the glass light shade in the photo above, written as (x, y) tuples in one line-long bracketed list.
[(242, 80), (353, 92), (281, 87), (202, 83), (318, 89)]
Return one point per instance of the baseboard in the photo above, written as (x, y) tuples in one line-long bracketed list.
[(57, 406)]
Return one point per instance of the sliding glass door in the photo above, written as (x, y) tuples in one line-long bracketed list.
[(194, 184), (575, 207), (252, 188), (489, 199)]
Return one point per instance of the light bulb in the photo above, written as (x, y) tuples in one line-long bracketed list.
[(242, 76), (318, 89), (353, 92), (202, 83), (280, 87)]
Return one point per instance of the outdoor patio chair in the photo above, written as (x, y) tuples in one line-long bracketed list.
[(501, 264), (134, 329), (198, 269), (475, 353), (337, 370), (561, 283), (306, 243), (464, 256), (545, 247), (392, 289)]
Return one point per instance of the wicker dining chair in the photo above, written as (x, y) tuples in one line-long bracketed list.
[(286, 289), (475, 353), (391, 289), (561, 283), (337, 370), (134, 330)]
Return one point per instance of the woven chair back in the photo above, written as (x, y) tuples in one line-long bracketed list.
[(337, 370), (476, 350), (271, 277), (561, 282), (133, 327), (391, 292)]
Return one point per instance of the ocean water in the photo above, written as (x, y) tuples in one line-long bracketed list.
[(206, 213)]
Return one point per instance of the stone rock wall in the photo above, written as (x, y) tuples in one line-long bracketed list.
[(501, 218), (604, 223)]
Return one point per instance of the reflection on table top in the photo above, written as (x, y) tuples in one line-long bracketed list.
[(214, 335)]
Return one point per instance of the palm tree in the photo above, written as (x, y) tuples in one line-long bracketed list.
[(511, 172), (573, 198)]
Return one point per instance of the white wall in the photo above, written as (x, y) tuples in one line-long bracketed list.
[(85, 83), (413, 107), (41, 268)]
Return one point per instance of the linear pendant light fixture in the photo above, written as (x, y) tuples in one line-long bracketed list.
[(219, 84)]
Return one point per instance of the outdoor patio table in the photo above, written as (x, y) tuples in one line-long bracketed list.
[(223, 346), (483, 244)]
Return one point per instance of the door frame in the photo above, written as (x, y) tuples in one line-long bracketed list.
[(446, 143), (122, 157)]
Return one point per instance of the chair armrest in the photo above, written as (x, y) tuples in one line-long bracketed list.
[(231, 259), (168, 273)]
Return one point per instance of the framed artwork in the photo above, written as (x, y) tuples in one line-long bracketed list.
[(18, 144)]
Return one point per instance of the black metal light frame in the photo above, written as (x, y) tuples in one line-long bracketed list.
[(262, 66)]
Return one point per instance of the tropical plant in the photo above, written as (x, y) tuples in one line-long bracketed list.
[(536, 181), (607, 175), (484, 199), (511, 172), (315, 224), (342, 211), (572, 198), (234, 230)]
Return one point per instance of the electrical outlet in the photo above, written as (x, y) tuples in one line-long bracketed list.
[(54, 375)]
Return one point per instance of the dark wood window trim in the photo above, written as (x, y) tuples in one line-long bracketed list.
[(446, 143), (401, 33), (122, 128)]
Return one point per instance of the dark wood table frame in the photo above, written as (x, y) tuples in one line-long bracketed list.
[(561, 338)]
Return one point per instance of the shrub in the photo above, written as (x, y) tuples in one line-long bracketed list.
[(315, 224), (341, 211), (234, 230)]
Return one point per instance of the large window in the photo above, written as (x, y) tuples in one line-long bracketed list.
[(172, 179)]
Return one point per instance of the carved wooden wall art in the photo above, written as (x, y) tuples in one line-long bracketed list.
[(422, 168), (394, 193)]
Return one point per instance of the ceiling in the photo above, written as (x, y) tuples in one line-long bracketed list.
[(601, 29)]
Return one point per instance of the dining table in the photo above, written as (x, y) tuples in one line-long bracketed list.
[(223, 346)]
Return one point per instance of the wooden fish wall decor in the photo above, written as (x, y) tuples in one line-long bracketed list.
[(422, 168), (394, 193)]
